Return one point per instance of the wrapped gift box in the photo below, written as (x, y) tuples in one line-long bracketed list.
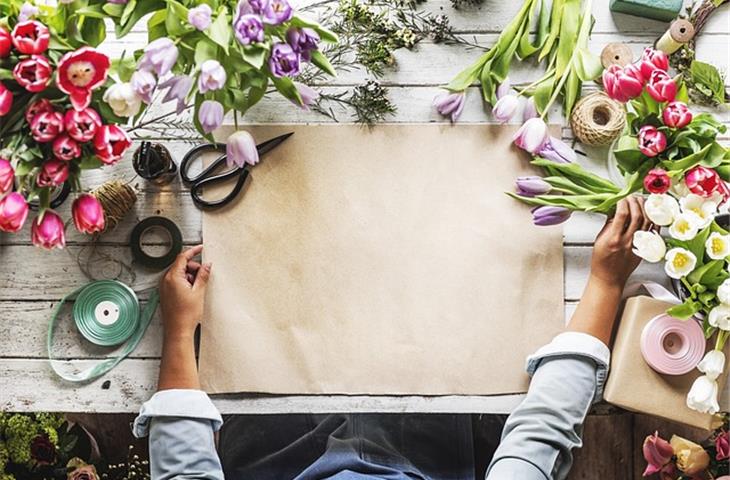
[(632, 384)]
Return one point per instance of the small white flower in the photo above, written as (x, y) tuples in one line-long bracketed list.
[(719, 317), (680, 262), (713, 364), (705, 209), (702, 397), (123, 99), (684, 227), (649, 246), (717, 246), (661, 209), (723, 292)]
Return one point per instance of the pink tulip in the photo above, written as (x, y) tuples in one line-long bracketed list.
[(6, 100), (703, 181), (722, 446), (7, 176), (81, 125), (31, 37), (33, 73), (652, 142), (657, 453), (6, 43), (65, 148), (505, 108), (46, 126), (623, 83), (532, 135), (661, 87), (88, 214), (676, 115), (653, 60), (110, 143), (13, 212), (47, 231), (241, 150), (39, 106), (657, 181), (53, 173), (450, 104)]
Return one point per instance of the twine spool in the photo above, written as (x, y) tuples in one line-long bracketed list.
[(597, 120), (680, 33), (117, 199)]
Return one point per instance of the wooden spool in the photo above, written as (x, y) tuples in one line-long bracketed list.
[(616, 54)]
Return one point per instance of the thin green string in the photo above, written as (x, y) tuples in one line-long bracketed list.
[(129, 327)]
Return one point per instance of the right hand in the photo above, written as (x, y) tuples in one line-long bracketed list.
[(182, 294)]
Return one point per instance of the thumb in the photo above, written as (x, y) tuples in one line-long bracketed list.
[(201, 279)]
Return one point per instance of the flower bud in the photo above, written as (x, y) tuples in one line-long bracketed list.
[(88, 214), (652, 142), (532, 135), (661, 87), (7, 176), (691, 458), (241, 149), (505, 108), (47, 231), (53, 173), (657, 181), (13, 212), (676, 115)]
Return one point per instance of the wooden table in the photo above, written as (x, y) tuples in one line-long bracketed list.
[(32, 281)]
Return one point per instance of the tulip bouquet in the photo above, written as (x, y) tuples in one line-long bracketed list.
[(53, 122), (682, 459)]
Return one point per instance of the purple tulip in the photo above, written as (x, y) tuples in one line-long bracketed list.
[(532, 186), (530, 110), (557, 151), (118, 2), (179, 87), (248, 29), (532, 135), (504, 88), (212, 76), (241, 150), (450, 104), (303, 41), (27, 12), (505, 108), (200, 17), (210, 115), (284, 61), (276, 12), (143, 83), (246, 7), (308, 95), (550, 215), (159, 56)]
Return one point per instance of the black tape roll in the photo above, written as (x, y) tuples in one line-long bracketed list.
[(135, 242)]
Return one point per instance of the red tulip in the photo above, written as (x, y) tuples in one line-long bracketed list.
[(65, 148), (33, 73), (31, 37), (39, 106), (653, 60), (623, 84), (53, 173), (6, 43), (652, 142), (702, 181), (7, 176), (657, 453), (661, 87), (657, 181), (676, 115), (6, 100), (722, 446), (13, 212), (81, 125), (110, 143), (47, 231), (46, 126), (88, 214), (80, 72)]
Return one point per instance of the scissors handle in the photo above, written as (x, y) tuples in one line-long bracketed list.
[(197, 152), (196, 187)]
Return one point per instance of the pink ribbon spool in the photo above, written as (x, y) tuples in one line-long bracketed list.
[(671, 346)]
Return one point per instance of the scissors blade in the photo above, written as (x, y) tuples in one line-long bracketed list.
[(269, 145)]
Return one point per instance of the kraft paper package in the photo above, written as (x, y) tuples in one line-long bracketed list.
[(634, 385), (379, 261)]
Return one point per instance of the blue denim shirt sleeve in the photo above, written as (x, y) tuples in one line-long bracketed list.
[(567, 378), (180, 425)]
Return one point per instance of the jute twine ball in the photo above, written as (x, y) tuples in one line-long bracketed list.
[(597, 120), (117, 199)]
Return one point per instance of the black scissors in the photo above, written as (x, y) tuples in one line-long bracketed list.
[(208, 176)]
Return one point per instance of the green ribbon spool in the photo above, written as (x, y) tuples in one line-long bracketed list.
[(106, 313)]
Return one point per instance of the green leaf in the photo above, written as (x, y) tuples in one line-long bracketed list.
[(145, 8), (675, 167), (124, 67), (570, 92), (90, 162), (93, 11), (587, 66), (685, 310), (579, 175), (205, 49), (326, 35), (255, 55), (470, 74), (568, 36), (627, 153), (697, 247), (93, 31), (23, 168), (323, 63), (128, 11), (706, 75), (555, 19), (488, 85), (286, 87), (542, 93), (220, 31)]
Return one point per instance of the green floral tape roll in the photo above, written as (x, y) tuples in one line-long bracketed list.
[(106, 313)]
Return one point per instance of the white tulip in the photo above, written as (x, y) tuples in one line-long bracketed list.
[(719, 317), (679, 188), (680, 262), (717, 246), (649, 246), (703, 208), (713, 364), (661, 209), (723, 292), (123, 99), (684, 227), (702, 397)]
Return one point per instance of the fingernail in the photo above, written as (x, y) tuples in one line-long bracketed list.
[(208, 266)]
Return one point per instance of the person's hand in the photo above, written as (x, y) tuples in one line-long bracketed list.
[(613, 260), (182, 293)]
